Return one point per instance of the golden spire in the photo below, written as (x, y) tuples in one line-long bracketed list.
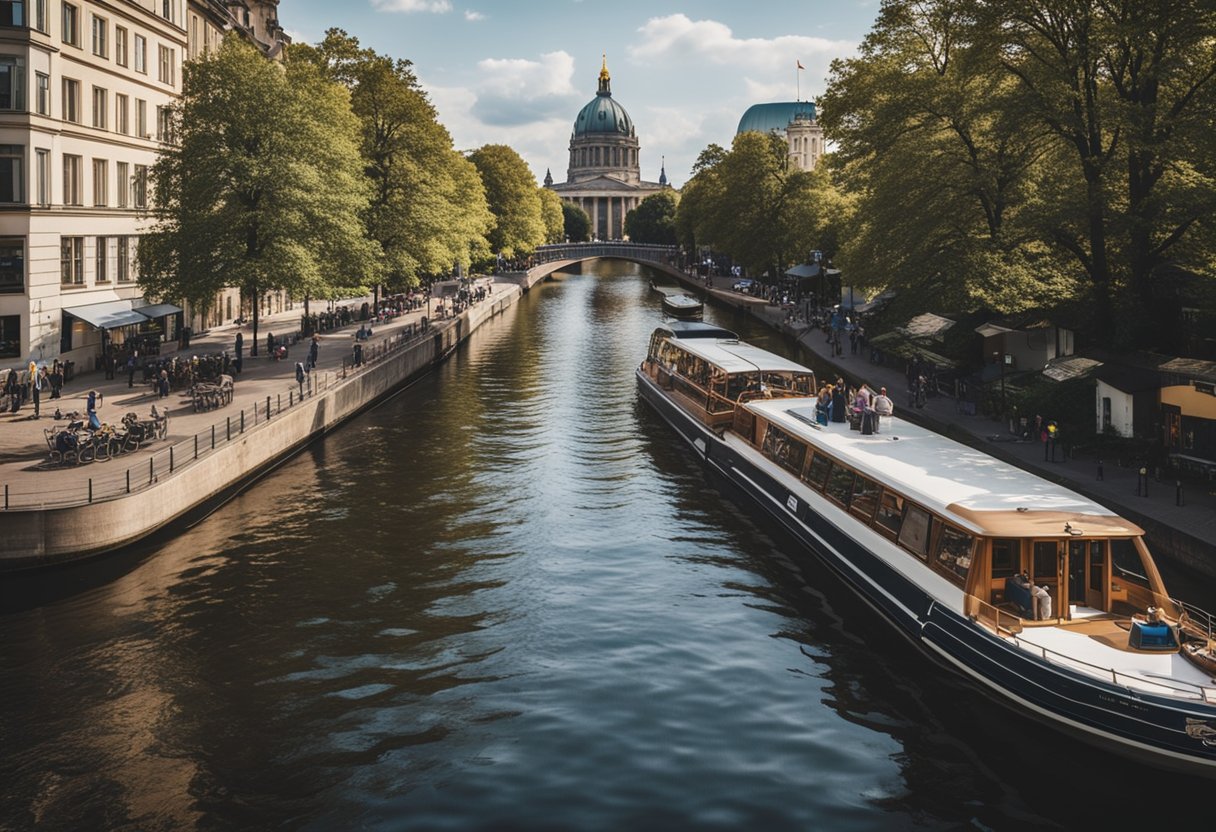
[(604, 68)]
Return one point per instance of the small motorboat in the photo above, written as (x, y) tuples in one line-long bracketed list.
[(683, 306)]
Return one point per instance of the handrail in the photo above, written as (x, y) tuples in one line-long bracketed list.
[(1203, 692), (115, 483), (1202, 619)]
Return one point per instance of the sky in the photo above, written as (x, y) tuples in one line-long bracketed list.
[(517, 72)]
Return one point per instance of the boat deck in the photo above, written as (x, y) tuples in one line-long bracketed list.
[(1098, 645)]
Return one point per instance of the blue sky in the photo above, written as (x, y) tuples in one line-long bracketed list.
[(517, 71)]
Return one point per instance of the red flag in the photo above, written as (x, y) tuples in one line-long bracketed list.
[(800, 66)]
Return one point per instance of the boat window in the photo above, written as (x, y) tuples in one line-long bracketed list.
[(1005, 557), (954, 548), (738, 383), (1125, 562), (1045, 560), (865, 497), (914, 531), (804, 383), (818, 472), (784, 449), (890, 512), (1097, 565), (840, 484)]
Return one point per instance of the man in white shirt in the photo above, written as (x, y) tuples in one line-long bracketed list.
[(883, 407)]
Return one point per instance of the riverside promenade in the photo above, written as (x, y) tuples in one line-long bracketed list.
[(54, 513), (1181, 534)]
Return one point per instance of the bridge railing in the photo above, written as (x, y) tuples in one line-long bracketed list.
[(576, 251)]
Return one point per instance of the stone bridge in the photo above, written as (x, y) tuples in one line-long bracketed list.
[(562, 256)]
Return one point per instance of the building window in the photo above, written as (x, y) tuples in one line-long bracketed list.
[(44, 93), (71, 180), (120, 46), (71, 100), (40, 16), (141, 54), (12, 83), (124, 259), (193, 48), (164, 124), (123, 184), (71, 261), (121, 123), (12, 13), (43, 172), (71, 24), (101, 260), (141, 118), (12, 265), (99, 108), (10, 336), (165, 67), (100, 45), (101, 184), (166, 10), (12, 163), (141, 186)]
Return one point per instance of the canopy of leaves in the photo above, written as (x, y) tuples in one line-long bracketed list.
[(263, 189), (554, 217), (519, 225), (654, 220), (576, 223), (427, 213)]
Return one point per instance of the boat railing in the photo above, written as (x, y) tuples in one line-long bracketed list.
[(1191, 689), (1000, 620), (1195, 620)]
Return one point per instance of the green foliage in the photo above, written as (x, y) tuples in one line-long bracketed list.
[(1070, 404), (428, 211), (553, 215), (576, 223), (264, 189), (1031, 152), (519, 225), (654, 220)]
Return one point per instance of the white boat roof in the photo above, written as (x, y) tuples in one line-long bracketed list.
[(738, 357), (943, 475)]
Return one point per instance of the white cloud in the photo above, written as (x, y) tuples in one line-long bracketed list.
[(409, 6), (471, 15), (678, 36), (517, 90)]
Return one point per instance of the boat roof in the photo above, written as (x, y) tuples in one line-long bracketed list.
[(734, 356), (979, 491), (681, 300), (696, 329)]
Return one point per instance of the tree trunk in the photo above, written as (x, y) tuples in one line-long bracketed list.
[(253, 349)]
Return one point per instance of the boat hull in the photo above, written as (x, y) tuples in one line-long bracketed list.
[(1176, 734), (684, 310)]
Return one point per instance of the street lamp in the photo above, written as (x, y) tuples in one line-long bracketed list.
[(1003, 359)]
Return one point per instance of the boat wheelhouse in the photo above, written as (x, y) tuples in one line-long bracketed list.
[(683, 306), (1046, 598)]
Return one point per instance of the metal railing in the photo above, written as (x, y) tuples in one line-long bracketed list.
[(102, 481)]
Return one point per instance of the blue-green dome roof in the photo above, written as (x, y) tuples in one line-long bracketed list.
[(603, 115), (775, 116)]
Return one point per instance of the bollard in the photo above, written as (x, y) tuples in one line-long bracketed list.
[(228, 419), (196, 446), (255, 413), (267, 410), (213, 437), (1100, 474), (6, 496), (1144, 479), (90, 489), (170, 459), (151, 469), (1178, 493), (290, 398), (128, 480), (279, 403)]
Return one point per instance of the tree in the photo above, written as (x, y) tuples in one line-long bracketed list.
[(576, 223), (553, 215), (654, 220), (263, 189), (511, 191), (427, 213)]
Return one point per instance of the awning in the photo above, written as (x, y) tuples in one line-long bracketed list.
[(108, 315), (158, 310), (804, 270), (989, 329)]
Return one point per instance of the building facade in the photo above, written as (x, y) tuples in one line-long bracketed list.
[(793, 121), (85, 92), (604, 176)]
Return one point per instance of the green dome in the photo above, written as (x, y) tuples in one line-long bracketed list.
[(603, 115), (775, 116)]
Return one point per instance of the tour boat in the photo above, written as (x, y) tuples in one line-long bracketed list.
[(682, 306), (1046, 599)]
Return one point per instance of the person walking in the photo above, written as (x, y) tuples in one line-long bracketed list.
[(163, 385), (56, 378), (37, 384), (130, 371), (314, 348), (90, 408), (300, 377)]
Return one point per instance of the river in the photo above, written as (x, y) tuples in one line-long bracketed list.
[(508, 598)]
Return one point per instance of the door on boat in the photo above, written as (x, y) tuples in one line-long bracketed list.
[(1047, 565)]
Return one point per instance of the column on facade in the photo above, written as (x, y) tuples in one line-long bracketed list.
[(595, 216)]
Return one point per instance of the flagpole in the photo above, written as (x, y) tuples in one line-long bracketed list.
[(798, 81)]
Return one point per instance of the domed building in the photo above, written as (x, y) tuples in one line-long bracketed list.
[(793, 121), (604, 177)]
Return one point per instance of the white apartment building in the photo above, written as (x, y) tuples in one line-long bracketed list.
[(84, 91)]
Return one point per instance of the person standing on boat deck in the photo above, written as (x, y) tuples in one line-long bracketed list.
[(824, 408), (883, 407), (840, 404)]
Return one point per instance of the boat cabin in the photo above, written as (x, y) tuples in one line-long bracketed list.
[(1021, 550), (711, 371)]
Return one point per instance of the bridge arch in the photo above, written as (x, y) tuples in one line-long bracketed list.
[(560, 256)]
